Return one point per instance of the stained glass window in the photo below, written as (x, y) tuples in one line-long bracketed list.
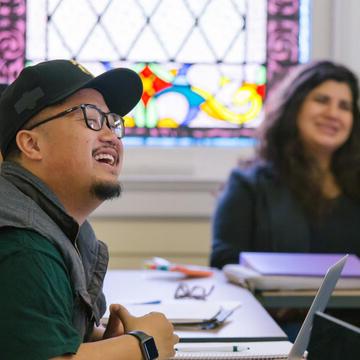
[(206, 65)]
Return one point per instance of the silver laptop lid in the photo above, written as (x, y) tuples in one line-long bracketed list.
[(319, 304)]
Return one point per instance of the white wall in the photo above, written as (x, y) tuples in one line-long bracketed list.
[(172, 182), (346, 33)]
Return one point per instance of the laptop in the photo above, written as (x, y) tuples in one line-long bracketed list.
[(272, 350), (319, 304), (333, 339)]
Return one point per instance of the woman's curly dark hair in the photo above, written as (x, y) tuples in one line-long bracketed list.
[(281, 146)]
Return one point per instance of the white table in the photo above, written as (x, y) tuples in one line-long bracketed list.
[(250, 322)]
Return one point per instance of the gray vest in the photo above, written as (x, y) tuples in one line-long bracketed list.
[(85, 257)]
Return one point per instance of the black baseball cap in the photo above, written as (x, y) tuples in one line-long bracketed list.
[(50, 82)]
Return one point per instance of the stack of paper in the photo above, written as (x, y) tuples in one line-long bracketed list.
[(290, 271)]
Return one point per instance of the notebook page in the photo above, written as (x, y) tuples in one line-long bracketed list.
[(226, 356), (252, 350)]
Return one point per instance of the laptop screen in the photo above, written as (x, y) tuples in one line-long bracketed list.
[(333, 339)]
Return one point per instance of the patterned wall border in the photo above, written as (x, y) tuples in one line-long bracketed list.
[(12, 38), (282, 38)]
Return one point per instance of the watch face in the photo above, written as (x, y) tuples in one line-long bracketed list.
[(150, 347)]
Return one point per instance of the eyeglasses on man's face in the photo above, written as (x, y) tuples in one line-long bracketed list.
[(94, 119)]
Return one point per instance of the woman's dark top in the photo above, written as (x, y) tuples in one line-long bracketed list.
[(339, 230), (257, 212)]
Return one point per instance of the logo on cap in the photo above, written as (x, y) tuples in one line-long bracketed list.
[(81, 67), (29, 100)]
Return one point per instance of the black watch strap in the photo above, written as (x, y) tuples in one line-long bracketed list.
[(147, 344)]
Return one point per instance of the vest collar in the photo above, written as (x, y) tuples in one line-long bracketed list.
[(34, 188)]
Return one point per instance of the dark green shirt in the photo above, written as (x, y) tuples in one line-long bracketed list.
[(36, 298)]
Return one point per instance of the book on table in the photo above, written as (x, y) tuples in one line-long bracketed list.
[(290, 271)]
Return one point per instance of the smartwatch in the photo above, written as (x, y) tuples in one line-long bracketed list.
[(147, 345)]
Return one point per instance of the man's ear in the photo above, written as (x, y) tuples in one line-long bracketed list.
[(28, 143)]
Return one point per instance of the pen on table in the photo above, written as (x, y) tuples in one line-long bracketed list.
[(223, 348), (150, 302)]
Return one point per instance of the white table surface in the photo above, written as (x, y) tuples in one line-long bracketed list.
[(250, 322)]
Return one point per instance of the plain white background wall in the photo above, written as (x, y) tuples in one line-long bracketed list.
[(346, 33)]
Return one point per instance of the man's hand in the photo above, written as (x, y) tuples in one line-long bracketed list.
[(114, 326), (154, 324)]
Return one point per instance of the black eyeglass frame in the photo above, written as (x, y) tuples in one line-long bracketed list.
[(184, 291), (104, 117)]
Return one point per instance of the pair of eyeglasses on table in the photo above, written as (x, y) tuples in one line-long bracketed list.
[(184, 291)]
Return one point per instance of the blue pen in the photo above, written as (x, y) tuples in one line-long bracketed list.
[(150, 302)]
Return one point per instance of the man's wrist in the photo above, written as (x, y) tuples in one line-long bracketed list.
[(146, 343)]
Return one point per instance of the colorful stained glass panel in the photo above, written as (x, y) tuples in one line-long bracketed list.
[(205, 64)]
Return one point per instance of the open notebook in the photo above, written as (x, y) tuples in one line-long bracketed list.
[(189, 313), (271, 350)]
